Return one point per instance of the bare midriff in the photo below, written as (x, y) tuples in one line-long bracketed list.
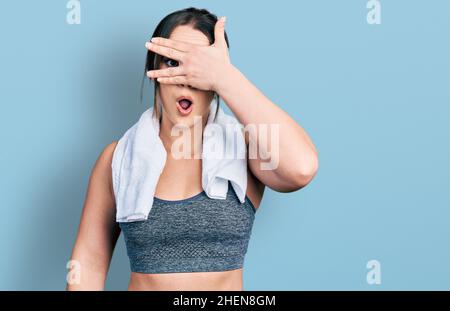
[(208, 281)]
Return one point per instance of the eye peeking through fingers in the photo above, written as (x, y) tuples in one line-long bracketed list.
[(169, 62)]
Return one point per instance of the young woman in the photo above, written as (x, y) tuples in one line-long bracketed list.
[(188, 61)]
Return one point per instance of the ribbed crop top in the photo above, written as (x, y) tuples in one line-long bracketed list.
[(191, 235)]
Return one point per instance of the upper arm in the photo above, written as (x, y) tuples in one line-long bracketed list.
[(98, 230), (269, 178)]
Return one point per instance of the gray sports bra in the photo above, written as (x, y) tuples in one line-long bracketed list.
[(191, 235)]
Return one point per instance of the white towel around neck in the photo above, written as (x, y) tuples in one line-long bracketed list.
[(139, 159)]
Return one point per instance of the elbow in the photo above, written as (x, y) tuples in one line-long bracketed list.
[(303, 175)]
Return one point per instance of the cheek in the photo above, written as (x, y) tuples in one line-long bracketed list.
[(207, 98), (166, 93), (205, 105)]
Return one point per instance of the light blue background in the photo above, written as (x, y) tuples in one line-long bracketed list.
[(374, 99)]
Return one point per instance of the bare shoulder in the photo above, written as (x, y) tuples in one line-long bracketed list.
[(105, 159), (101, 173), (107, 153)]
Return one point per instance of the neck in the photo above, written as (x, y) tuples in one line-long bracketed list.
[(186, 142)]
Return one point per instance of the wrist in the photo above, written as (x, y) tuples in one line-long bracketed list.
[(227, 74)]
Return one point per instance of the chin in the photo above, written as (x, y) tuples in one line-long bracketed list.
[(188, 121)]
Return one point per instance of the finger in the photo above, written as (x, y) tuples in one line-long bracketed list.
[(173, 80), (178, 45), (219, 32), (165, 51), (166, 72)]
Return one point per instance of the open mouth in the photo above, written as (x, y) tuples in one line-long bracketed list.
[(184, 104)]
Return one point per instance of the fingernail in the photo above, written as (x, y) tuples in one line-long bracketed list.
[(147, 44), (224, 19), (154, 39)]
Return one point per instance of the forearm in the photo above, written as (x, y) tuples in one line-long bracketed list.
[(89, 270), (296, 154), (92, 254)]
